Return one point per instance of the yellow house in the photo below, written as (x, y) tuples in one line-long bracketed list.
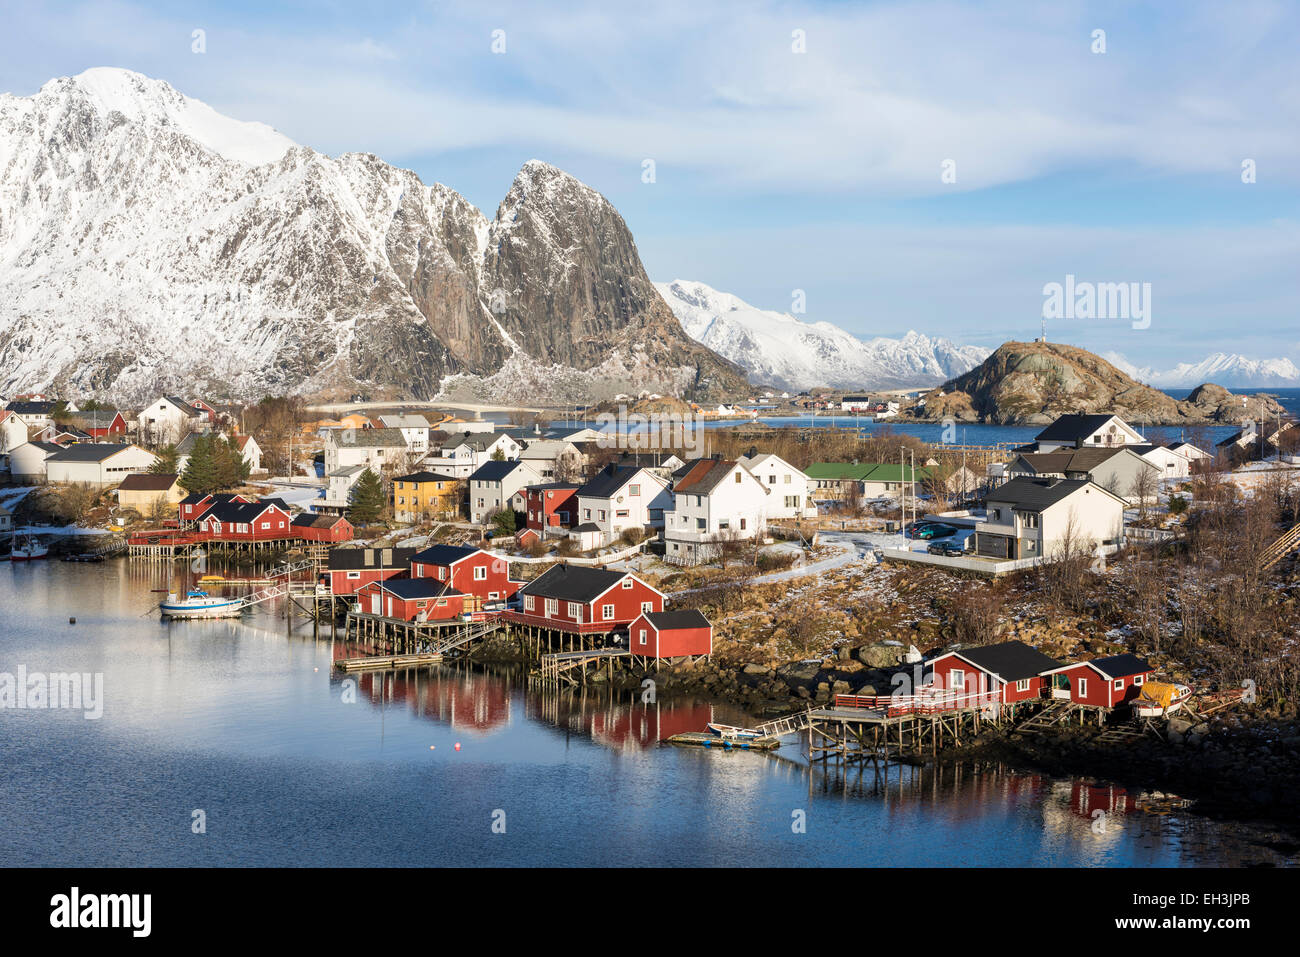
[(152, 495), (425, 495)]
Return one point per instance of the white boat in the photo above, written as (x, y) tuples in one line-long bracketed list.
[(1159, 698), (26, 550), (199, 604), (732, 732)]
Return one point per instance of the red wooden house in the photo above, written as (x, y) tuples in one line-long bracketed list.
[(348, 569), (206, 409), (99, 424), (194, 505), (1007, 673), (255, 521), (552, 505), (588, 601), (332, 529), (1101, 682), (409, 599), (670, 634), (467, 569)]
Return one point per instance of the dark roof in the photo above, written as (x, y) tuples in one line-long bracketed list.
[(572, 583), (671, 620), (32, 408), (353, 559), (194, 497), (148, 482), (608, 481), (587, 527), (419, 588), (1035, 494), (494, 470), (1010, 660), (1078, 460), (424, 476), (229, 512), (1073, 427), (183, 405), (95, 418), (554, 486), (314, 520), (1121, 666), (48, 447), (443, 554), (86, 452)]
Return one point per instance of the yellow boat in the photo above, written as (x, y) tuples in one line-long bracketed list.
[(1160, 698), (212, 578)]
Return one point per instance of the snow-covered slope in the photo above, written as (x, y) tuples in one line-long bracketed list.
[(775, 348), (1221, 368), (149, 244)]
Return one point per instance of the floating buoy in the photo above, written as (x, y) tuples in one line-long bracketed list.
[(72, 621), (457, 745), (432, 746), (315, 669)]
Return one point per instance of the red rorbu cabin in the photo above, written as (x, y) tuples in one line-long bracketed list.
[(348, 569), (467, 569), (332, 529), (414, 599), (194, 505), (246, 522), (588, 601), (670, 634), (1008, 672), (1101, 682)]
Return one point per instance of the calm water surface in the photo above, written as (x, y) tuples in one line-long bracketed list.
[(246, 721)]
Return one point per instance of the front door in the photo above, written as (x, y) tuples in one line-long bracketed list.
[(374, 605)]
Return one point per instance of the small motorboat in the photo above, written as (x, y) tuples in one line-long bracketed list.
[(733, 733), (27, 549), (199, 604), (1160, 698)]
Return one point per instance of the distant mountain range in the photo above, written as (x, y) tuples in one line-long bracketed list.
[(777, 349), (1220, 368)]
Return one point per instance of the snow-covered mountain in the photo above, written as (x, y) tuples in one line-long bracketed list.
[(775, 348), (1221, 368), (148, 243)]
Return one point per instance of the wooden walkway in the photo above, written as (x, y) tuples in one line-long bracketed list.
[(562, 665), (1285, 544), (386, 662)]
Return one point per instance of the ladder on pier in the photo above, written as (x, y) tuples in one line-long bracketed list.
[(787, 724), (1287, 542), (114, 544), (1049, 717), (463, 636)]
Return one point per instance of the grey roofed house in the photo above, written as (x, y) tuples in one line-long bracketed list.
[(368, 438), (87, 452), (424, 476), (184, 406), (353, 559), (1035, 494), (1010, 660), (572, 583), (406, 420), (95, 418), (496, 469), (478, 441), (608, 481), (32, 408)]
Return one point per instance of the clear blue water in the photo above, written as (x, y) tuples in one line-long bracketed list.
[(246, 721)]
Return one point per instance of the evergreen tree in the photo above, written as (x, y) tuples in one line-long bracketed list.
[(504, 521), (200, 475), (229, 467), (367, 499), (166, 463)]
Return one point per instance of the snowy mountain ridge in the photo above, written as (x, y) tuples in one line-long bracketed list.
[(776, 348), (1222, 368)]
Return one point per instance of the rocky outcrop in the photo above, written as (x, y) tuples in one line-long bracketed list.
[(1034, 382)]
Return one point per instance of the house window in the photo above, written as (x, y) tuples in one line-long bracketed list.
[(1137, 679), (528, 603), (737, 478), (1083, 687), (647, 607), (627, 583), (957, 677), (1022, 684), (743, 524), (352, 576), (634, 490), (1119, 684), (642, 635), (480, 573), (575, 611), (266, 524), (586, 513), (602, 514), (552, 607), (442, 573)]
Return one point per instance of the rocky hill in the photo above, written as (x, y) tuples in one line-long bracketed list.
[(149, 244), (1034, 382)]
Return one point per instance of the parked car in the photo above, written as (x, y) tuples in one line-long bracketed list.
[(914, 529), (935, 531), (952, 547)]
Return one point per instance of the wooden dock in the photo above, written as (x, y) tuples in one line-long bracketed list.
[(387, 662), (703, 739), (571, 666)]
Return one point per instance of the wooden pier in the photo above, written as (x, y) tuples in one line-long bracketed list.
[(571, 666), (387, 662)]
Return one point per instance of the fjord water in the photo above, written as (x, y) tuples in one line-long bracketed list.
[(246, 722)]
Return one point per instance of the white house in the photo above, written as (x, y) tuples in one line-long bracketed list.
[(37, 413), (1079, 431), (1171, 464), (374, 448), (100, 465), (414, 428), (27, 461), (251, 451), (13, 430), (494, 484), (713, 499), (786, 486), (169, 419), (338, 489), (460, 455), (1033, 518), (553, 458), (620, 497), (1191, 452)]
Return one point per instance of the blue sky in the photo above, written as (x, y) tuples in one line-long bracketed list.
[(819, 170)]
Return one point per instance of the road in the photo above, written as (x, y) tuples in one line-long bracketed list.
[(423, 404)]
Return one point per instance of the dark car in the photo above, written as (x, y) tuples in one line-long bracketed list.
[(914, 529), (951, 547)]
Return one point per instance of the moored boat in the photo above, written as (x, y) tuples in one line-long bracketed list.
[(1160, 698), (199, 604), (732, 732), (27, 549)]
